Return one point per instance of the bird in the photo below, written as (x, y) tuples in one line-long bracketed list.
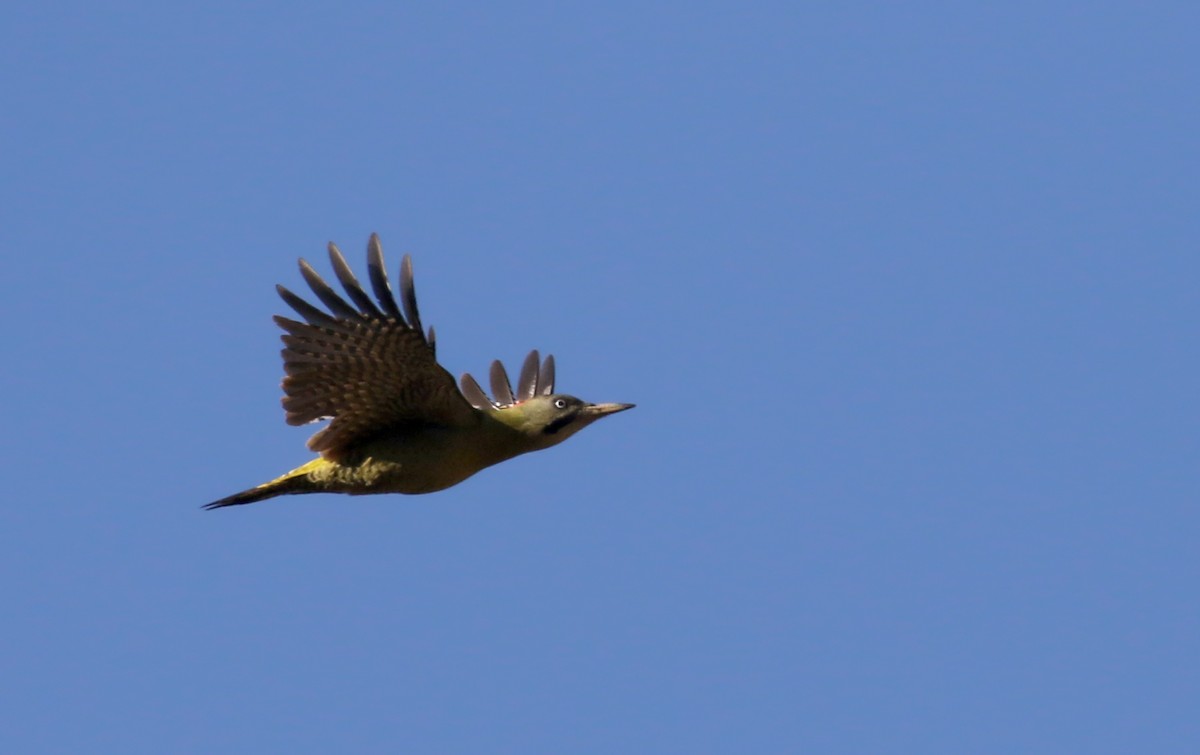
[(398, 422)]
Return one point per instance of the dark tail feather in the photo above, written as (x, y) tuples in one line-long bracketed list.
[(282, 486)]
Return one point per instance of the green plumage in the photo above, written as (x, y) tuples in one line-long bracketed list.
[(399, 424)]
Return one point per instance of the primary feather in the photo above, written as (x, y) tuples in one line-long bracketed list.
[(368, 368)]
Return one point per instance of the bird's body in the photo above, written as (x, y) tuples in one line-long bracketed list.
[(399, 422), (418, 461)]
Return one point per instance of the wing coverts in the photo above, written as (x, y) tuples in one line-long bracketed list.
[(367, 366)]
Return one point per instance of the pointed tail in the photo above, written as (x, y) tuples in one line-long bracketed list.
[(292, 483)]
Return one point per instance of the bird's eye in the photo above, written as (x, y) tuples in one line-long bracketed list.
[(560, 403)]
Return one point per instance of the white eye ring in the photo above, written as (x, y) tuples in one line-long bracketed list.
[(560, 403)]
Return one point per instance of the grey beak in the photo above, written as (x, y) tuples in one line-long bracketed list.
[(600, 410)]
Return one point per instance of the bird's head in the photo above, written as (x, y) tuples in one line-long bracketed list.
[(554, 418), (534, 409)]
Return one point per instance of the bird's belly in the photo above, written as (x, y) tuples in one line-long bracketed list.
[(409, 465), (376, 475)]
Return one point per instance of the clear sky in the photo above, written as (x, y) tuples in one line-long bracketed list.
[(906, 295)]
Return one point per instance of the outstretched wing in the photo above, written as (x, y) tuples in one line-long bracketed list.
[(537, 379), (367, 367)]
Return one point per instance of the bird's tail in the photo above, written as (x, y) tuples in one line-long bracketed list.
[(294, 482)]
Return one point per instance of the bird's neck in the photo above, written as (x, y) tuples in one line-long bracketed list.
[(505, 433)]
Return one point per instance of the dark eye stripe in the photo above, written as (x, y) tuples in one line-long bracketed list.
[(558, 423)]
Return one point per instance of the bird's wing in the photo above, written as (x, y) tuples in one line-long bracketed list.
[(537, 379), (367, 367)]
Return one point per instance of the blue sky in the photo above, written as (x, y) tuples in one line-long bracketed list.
[(905, 294)]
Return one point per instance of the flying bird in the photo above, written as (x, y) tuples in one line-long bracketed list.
[(398, 423)]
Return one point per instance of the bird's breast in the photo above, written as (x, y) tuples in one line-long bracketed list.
[(417, 462)]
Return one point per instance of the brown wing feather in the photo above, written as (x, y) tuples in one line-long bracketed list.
[(534, 381), (367, 369)]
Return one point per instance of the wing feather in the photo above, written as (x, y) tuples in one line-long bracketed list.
[(337, 305), (310, 313), (527, 384), (501, 388), (379, 280), (474, 394), (534, 381), (371, 370), (546, 378), (408, 294), (350, 283)]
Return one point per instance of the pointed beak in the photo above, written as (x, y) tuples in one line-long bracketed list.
[(601, 410)]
